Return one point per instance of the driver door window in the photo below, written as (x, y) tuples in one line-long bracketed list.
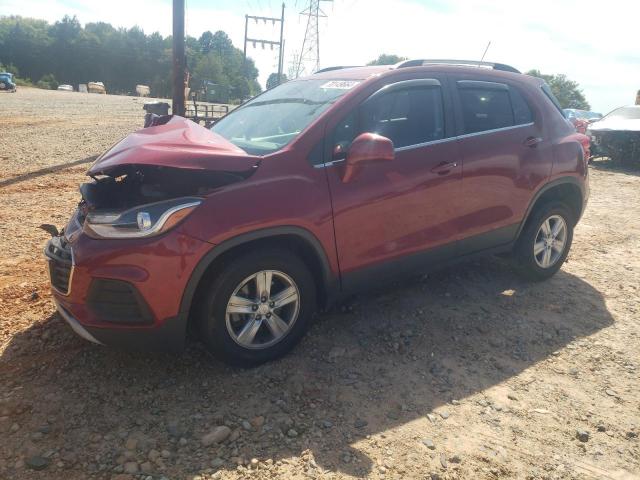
[(410, 116)]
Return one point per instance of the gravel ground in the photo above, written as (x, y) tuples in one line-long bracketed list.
[(470, 372)]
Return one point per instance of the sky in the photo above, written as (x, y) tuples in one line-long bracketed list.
[(593, 43)]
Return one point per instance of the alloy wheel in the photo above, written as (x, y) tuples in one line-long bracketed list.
[(550, 241), (262, 309)]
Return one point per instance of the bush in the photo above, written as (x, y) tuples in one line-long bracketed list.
[(11, 68), (48, 82), (23, 82)]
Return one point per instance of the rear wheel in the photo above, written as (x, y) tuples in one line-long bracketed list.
[(545, 241), (258, 307)]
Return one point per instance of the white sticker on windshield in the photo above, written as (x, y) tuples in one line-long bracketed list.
[(340, 84)]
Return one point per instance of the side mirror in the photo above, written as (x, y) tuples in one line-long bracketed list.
[(367, 147)]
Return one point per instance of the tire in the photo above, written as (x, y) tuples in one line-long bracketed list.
[(533, 265), (222, 332)]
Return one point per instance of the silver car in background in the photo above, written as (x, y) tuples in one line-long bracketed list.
[(617, 136)]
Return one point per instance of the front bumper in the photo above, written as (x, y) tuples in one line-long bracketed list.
[(621, 145), (124, 293), (169, 337), (75, 324)]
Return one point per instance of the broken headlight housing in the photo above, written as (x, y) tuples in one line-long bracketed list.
[(142, 221)]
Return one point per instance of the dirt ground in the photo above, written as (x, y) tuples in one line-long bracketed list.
[(468, 373)]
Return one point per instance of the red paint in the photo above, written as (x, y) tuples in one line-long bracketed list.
[(376, 206), (396, 207), (178, 143), (366, 148)]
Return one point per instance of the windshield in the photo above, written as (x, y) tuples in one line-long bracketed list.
[(272, 120), (625, 113)]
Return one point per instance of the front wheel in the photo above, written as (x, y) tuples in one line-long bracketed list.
[(257, 307), (545, 241)]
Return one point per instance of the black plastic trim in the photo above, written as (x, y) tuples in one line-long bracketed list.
[(495, 241), (461, 63), (482, 84), (548, 186), (169, 337), (118, 302), (402, 85), (331, 283)]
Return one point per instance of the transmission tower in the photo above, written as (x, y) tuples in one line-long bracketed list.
[(310, 51)]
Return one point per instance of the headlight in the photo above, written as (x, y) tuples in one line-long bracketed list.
[(143, 221)]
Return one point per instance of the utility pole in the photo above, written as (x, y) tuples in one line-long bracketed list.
[(281, 64), (179, 63), (246, 29), (263, 42), (281, 55), (310, 51)]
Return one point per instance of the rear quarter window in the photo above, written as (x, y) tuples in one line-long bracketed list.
[(549, 94), (521, 111)]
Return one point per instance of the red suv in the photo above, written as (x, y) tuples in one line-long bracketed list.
[(309, 192)]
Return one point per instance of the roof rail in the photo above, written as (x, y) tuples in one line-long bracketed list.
[(474, 63), (329, 69)]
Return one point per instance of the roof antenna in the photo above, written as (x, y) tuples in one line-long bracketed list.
[(485, 52)]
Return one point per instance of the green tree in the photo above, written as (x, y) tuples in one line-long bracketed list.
[(272, 81), (566, 91), (47, 82), (11, 68), (121, 57), (387, 59), (208, 68)]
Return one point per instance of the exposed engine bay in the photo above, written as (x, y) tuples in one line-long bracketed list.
[(621, 146), (132, 185)]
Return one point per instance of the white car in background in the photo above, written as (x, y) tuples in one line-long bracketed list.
[(617, 135), (65, 88)]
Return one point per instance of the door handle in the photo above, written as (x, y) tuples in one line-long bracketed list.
[(444, 167), (532, 142)]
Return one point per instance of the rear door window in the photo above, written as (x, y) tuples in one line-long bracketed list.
[(489, 106), (485, 106)]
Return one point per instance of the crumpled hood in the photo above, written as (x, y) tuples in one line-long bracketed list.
[(180, 143), (617, 124)]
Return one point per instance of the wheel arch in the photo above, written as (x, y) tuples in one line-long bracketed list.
[(293, 238), (565, 189)]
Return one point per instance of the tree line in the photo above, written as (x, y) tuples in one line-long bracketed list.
[(65, 52)]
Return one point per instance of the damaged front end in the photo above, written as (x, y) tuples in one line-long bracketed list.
[(155, 177), (622, 146), (118, 262), (142, 201), (617, 136)]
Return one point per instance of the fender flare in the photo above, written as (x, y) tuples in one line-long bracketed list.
[(545, 188), (330, 282)]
